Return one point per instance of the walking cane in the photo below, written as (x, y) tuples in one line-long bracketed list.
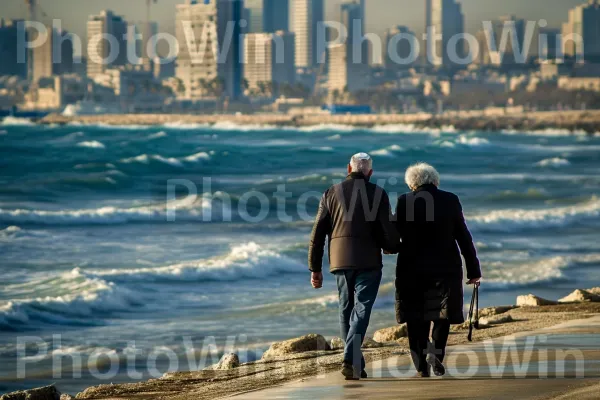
[(474, 312)]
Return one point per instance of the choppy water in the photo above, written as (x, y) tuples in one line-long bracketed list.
[(88, 252)]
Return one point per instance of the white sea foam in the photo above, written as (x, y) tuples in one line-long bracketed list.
[(190, 211), (248, 260), (92, 144), (145, 159), (158, 135), (322, 149), (334, 137), (472, 141), (514, 219), (197, 157), (381, 153), (411, 128), (16, 121), (552, 132), (554, 162), (185, 126)]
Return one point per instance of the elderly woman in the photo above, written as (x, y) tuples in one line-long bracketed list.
[(429, 271)]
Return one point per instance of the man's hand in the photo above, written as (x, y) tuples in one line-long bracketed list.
[(316, 280), (474, 281)]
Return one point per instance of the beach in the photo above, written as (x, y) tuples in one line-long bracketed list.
[(184, 237)]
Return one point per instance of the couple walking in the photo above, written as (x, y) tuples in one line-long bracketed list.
[(428, 232)]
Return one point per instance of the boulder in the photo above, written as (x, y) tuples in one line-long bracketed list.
[(533, 301), (311, 342), (43, 393), (494, 320), (228, 361), (595, 291), (337, 343), (489, 311), (580, 296), (369, 343), (390, 334), (66, 397)]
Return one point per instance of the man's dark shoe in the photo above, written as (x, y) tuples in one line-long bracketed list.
[(348, 372), (363, 374)]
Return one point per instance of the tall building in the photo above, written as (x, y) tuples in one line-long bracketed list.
[(306, 16), (269, 61), (445, 17), (9, 64), (99, 50), (581, 33), (508, 30), (400, 44), (209, 63), (346, 67), (276, 15), (255, 12), (550, 49), (148, 32), (48, 59)]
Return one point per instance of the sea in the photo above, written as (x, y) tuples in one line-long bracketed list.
[(130, 251)]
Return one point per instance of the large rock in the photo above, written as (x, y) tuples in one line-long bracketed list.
[(494, 320), (228, 361), (43, 393), (581, 296), (533, 301), (489, 311), (595, 291), (337, 343), (369, 343), (66, 397), (311, 342), (390, 334)]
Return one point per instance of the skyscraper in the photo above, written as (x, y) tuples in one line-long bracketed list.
[(255, 12), (209, 61), (402, 47), (445, 18), (48, 59), (306, 16), (346, 67), (276, 15), (494, 50), (9, 64), (99, 49), (269, 61), (581, 34)]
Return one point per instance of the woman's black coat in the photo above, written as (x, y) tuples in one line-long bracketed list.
[(429, 271)]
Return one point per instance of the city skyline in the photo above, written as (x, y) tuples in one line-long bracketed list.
[(380, 13)]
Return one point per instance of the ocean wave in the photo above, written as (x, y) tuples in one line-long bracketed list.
[(553, 132), (157, 135), (514, 219), (80, 300), (92, 144), (16, 121), (197, 157), (196, 210), (324, 149), (554, 162), (472, 141), (334, 137), (145, 159), (381, 153), (246, 261), (3, 132)]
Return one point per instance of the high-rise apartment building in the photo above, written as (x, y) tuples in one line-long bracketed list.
[(276, 15), (101, 54), (445, 18), (54, 56), (10, 63), (269, 61), (306, 17), (255, 12), (400, 47), (209, 61), (581, 33)]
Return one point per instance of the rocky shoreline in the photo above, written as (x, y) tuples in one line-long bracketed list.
[(312, 355), (569, 121)]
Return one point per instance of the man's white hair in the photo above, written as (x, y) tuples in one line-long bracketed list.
[(421, 174), (361, 162)]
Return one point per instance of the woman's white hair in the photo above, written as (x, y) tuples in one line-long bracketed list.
[(421, 174)]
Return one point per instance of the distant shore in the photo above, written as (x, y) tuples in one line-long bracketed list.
[(496, 120)]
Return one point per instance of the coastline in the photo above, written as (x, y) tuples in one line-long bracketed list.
[(275, 371), (572, 121)]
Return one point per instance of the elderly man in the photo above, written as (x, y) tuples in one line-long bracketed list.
[(355, 214), (429, 272)]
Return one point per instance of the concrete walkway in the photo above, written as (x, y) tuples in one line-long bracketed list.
[(561, 362)]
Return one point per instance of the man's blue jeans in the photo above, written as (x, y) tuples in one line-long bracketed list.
[(357, 292)]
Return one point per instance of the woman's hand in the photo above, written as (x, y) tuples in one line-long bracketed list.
[(474, 281)]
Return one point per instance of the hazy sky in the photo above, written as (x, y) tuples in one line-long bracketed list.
[(381, 14)]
